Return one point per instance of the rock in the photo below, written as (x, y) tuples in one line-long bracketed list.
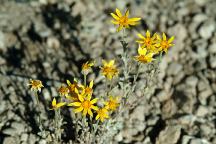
[(186, 139), (24, 137), (163, 96), (169, 108), (43, 141), (170, 135), (19, 127), (199, 141), (53, 42), (204, 95), (192, 81), (10, 140), (206, 130), (174, 68), (212, 48), (32, 139), (212, 61), (10, 131), (202, 111), (207, 29)]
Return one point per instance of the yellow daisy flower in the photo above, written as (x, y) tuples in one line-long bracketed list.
[(36, 85), (123, 21), (63, 91), (143, 56), (86, 67), (165, 44), (56, 105), (102, 114), (109, 69), (85, 105), (74, 89), (148, 42), (88, 89), (112, 103)]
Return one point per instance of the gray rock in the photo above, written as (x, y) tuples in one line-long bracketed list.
[(192, 81), (199, 141), (170, 135), (202, 111), (207, 29), (212, 48), (174, 68), (19, 127), (10, 131), (10, 140), (212, 61), (24, 137)]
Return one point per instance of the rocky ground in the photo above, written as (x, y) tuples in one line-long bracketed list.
[(49, 40)]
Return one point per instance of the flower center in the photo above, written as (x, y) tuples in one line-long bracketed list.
[(148, 42), (86, 104), (123, 20), (88, 90), (112, 104), (36, 83), (164, 44)]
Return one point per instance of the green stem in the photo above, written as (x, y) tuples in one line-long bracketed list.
[(39, 118), (85, 80)]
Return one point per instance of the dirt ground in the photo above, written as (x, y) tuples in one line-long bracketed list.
[(50, 39)]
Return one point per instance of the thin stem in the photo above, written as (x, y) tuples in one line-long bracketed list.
[(39, 118), (84, 79)]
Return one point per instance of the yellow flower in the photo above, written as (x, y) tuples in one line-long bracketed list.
[(56, 105), (123, 21), (73, 86), (87, 91), (143, 56), (36, 85), (63, 91), (102, 114), (85, 105), (165, 44), (108, 69), (86, 67), (112, 103), (73, 90), (148, 42)]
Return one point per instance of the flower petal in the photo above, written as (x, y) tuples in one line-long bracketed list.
[(90, 112), (120, 28), (91, 83), (114, 16), (68, 82), (164, 36), (171, 39), (118, 12), (85, 112), (127, 13), (111, 63), (78, 109), (114, 22), (148, 34), (142, 51), (134, 19), (60, 104), (80, 97), (94, 101), (54, 102), (97, 117), (140, 36), (75, 104), (94, 107)]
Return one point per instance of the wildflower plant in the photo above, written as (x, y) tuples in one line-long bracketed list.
[(97, 117)]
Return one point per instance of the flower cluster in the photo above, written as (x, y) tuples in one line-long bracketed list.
[(80, 95)]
